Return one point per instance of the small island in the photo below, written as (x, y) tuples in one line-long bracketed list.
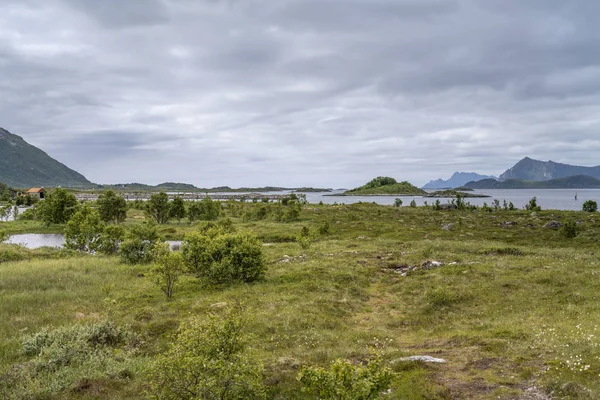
[(454, 194), (385, 186)]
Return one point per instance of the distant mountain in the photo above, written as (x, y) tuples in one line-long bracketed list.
[(23, 165), (533, 170), (456, 180), (571, 182)]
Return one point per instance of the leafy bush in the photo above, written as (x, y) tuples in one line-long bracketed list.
[(347, 381), (304, 239), (590, 206), (110, 239), (398, 202), (324, 229), (221, 257), (208, 360), (569, 230), (413, 203)]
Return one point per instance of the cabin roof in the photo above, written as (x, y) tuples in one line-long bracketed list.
[(35, 190)]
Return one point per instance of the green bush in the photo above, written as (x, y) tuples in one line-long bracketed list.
[(110, 239), (569, 230), (58, 207), (221, 257), (208, 360), (398, 202), (590, 206), (347, 381)]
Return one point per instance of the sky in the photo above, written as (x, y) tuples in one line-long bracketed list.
[(326, 93)]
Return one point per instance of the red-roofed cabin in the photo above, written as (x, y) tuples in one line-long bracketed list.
[(36, 192)]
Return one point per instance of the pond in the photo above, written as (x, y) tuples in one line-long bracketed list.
[(37, 240)]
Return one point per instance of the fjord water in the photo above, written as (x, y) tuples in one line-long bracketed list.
[(555, 199)]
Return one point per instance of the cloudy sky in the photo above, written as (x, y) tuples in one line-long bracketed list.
[(301, 92)]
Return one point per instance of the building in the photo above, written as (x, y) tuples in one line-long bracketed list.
[(36, 192)]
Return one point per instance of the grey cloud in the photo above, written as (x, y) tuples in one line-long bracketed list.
[(300, 92), (120, 14)]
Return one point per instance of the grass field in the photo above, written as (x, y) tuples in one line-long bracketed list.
[(513, 308)]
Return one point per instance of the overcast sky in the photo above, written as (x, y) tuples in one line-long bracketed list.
[(301, 92)]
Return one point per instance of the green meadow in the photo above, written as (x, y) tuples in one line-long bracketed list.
[(512, 306)]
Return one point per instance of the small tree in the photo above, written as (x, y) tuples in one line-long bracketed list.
[(158, 208), (590, 206), (177, 210), (398, 202), (111, 207), (167, 268), (532, 205), (84, 230), (208, 360), (3, 236), (413, 203), (194, 211), (58, 207), (347, 381), (193, 249)]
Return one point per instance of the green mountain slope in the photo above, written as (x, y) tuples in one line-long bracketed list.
[(571, 182), (533, 170), (23, 165), (385, 186)]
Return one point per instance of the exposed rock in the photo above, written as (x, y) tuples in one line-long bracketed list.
[(553, 225), (431, 265), (507, 224), (447, 227), (403, 269), (427, 359), (533, 215)]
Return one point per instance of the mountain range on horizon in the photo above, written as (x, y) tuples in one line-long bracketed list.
[(456, 180), (24, 165)]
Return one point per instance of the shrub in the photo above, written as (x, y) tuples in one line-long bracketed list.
[(222, 257), (413, 203), (3, 236), (208, 360), (177, 209), (569, 230), (344, 380), (304, 239), (324, 229), (398, 202), (110, 239), (590, 206)]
